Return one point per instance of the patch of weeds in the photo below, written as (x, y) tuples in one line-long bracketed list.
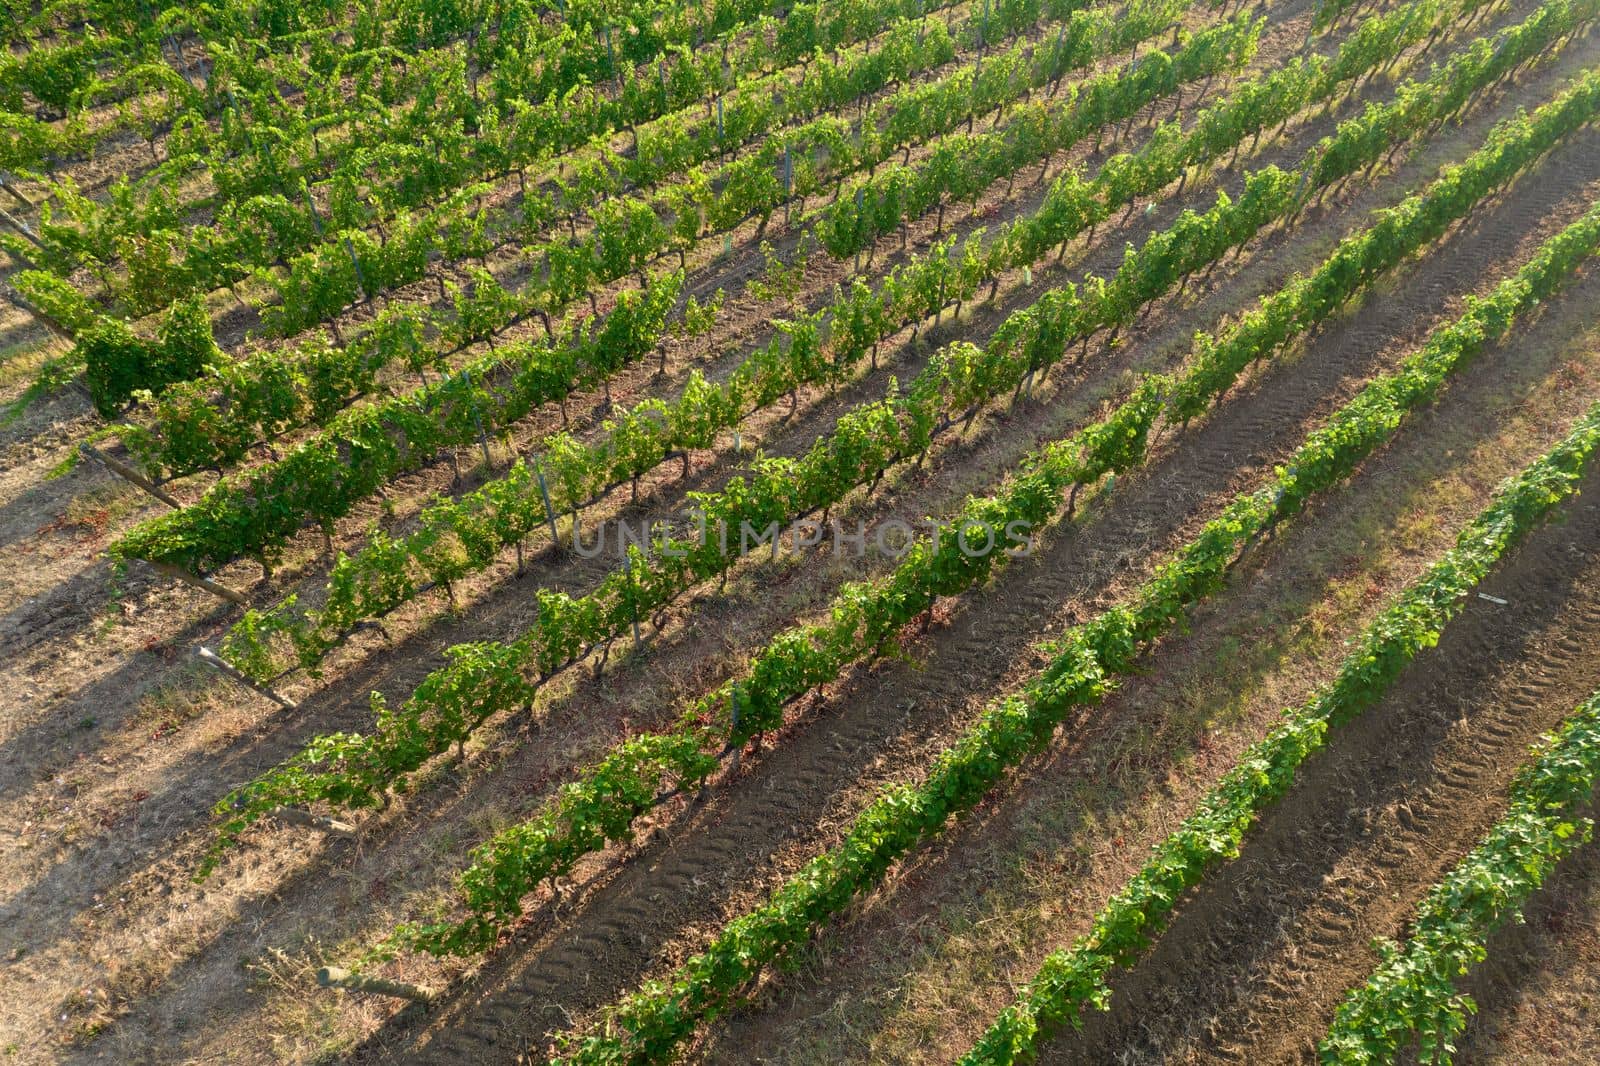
[(97, 507), (175, 703)]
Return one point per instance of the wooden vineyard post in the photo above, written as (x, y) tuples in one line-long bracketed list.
[(788, 182), (20, 303), (129, 474), (218, 590), (21, 227), (483, 438), (349, 249), (550, 511), (228, 670), (5, 183), (633, 598)]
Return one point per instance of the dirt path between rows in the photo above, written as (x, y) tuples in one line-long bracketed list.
[(1258, 959)]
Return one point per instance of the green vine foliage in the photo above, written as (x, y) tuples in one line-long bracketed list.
[(56, 299), (633, 444), (175, 432), (962, 166), (166, 259), (256, 512), (165, 438), (549, 90), (1412, 997), (119, 364), (320, 279)]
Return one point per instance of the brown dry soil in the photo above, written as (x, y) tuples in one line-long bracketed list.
[(114, 743)]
